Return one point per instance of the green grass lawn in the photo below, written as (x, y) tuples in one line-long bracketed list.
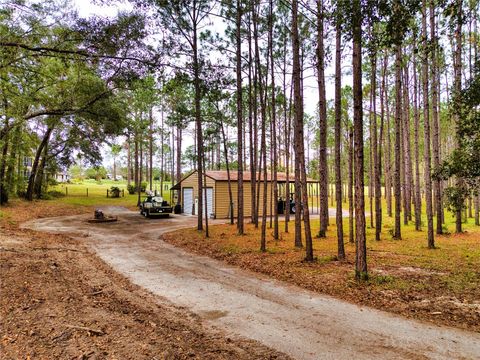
[(93, 193)]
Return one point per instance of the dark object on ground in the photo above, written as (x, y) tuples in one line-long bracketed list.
[(100, 217), (155, 206), (98, 214), (178, 209)]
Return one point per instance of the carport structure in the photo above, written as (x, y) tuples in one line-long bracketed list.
[(186, 191)]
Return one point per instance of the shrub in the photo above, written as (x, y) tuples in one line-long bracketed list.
[(131, 189), (114, 192)]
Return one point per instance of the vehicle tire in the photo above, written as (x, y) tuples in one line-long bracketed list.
[(292, 210), (147, 213)]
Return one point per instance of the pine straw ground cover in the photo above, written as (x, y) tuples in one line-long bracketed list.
[(441, 285), (60, 301)]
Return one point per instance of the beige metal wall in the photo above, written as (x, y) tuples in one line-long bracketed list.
[(222, 199)]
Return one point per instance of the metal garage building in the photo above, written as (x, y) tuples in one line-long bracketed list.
[(217, 192)]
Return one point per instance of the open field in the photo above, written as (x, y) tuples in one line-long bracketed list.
[(93, 193), (441, 285)]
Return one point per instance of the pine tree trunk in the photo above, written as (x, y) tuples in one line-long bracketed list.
[(470, 207), (458, 88), (263, 111), (227, 164), (388, 156), (351, 233), (263, 243), (4, 191), (360, 236), (338, 131), (301, 207), (238, 60), (297, 99), (256, 77), (417, 197), (137, 168), (322, 103), (198, 121), (162, 159), (426, 121), (288, 125), (370, 162), (141, 162), (206, 198), (376, 154), (252, 115), (129, 161), (477, 210), (398, 114), (407, 150), (274, 132), (136, 160), (150, 149), (437, 193)]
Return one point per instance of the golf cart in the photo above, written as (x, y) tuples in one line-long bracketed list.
[(282, 205), (154, 205)]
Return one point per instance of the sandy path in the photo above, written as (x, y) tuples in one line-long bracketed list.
[(300, 323)]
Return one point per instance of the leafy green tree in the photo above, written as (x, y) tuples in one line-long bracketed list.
[(98, 173), (464, 161), (115, 150), (62, 75)]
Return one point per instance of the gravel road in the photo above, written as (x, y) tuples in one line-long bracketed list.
[(302, 324)]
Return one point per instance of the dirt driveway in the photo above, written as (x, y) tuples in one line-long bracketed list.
[(302, 324)]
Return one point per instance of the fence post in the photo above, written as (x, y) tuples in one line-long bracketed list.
[(107, 193), (123, 192), (87, 192), (66, 191)]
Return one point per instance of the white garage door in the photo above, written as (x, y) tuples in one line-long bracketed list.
[(188, 201), (210, 201)]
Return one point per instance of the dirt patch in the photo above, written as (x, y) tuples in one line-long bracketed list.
[(60, 301), (213, 315), (406, 271)]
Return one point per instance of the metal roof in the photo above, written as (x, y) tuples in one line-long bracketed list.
[(221, 175)]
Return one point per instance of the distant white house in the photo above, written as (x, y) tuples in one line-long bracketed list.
[(60, 176), (118, 177)]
